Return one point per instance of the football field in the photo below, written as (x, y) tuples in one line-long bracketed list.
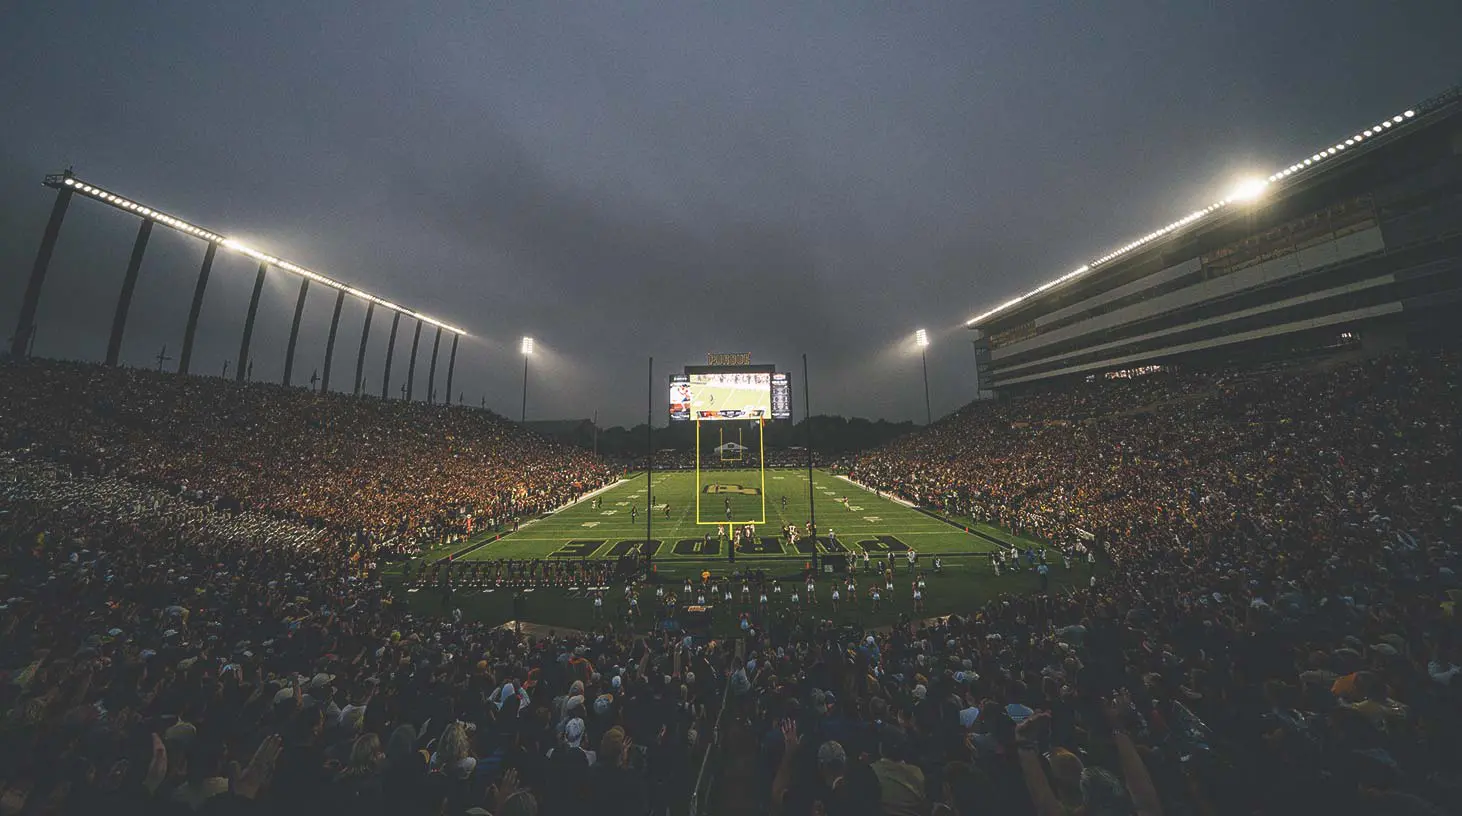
[(850, 520)]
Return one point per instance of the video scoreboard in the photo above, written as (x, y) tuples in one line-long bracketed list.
[(716, 393)]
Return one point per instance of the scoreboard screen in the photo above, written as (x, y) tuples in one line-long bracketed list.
[(721, 395), (712, 393), (781, 396)]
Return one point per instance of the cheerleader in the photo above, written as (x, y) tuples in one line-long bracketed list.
[(836, 597), (877, 598)]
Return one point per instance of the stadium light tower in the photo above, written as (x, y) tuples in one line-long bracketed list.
[(922, 338), (527, 352)]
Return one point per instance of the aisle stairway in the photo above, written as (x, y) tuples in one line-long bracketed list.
[(738, 787)]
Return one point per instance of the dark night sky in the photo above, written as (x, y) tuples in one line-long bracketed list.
[(622, 180)]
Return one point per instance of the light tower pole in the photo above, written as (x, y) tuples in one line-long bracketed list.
[(527, 352), (922, 338)]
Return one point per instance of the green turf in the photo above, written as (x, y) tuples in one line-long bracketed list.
[(858, 523), (865, 522)]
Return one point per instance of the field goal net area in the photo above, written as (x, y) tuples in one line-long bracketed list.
[(730, 472)]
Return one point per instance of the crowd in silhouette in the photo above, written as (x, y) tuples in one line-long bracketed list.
[(1273, 631), (390, 473)]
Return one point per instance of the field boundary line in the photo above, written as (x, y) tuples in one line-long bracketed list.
[(877, 493)]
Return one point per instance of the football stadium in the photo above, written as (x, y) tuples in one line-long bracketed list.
[(1184, 535)]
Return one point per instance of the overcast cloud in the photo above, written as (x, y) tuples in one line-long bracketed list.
[(626, 180)]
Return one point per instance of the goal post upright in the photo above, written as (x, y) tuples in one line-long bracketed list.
[(761, 461), (698, 470)]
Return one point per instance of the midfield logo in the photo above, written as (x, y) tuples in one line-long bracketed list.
[(732, 488)]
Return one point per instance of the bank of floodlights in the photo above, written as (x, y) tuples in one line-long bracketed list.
[(122, 203), (1245, 192)]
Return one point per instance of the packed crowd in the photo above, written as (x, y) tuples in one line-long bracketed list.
[(712, 459), (394, 474), (158, 656), (1277, 633)]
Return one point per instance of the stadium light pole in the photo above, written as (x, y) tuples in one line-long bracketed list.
[(68, 186), (527, 352), (922, 338)]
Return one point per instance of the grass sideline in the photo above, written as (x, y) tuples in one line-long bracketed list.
[(864, 521)]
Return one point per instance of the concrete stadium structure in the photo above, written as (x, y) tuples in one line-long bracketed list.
[(1356, 247)]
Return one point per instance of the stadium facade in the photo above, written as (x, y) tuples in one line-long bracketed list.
[(1358, 247)]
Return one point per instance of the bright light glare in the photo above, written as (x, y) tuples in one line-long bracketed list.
[(238, 246), (527, 345), (1248, 189), (922, 338)]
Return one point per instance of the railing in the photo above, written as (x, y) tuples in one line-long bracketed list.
[(703, 783)]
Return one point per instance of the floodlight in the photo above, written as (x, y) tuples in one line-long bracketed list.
[(179, 224), (527, 346), (922, 338), (1248, 189)]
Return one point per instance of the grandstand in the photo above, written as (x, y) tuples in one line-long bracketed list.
[(1356, 246), (1221, 587)]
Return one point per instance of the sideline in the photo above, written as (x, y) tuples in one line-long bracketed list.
[(493, 538), (936, 516), (879, 493)]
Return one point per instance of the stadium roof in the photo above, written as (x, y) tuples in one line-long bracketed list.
[(1249, 190)]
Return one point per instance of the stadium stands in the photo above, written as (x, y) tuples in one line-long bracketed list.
[(1356, 246), (1277, 634), (390, 473), (1282, 609)]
